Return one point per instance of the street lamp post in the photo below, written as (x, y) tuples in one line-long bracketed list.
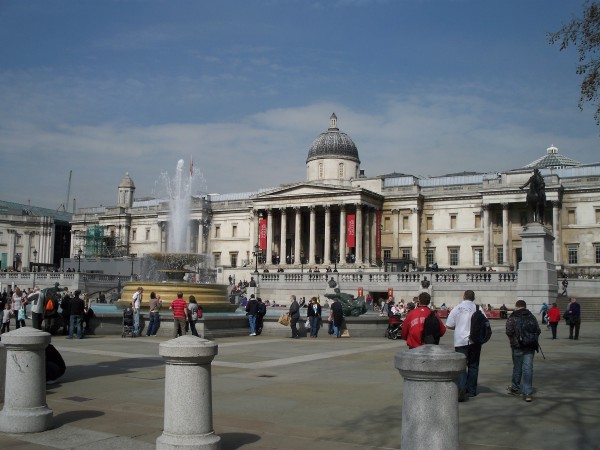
[(255, 253), (335, 254), (132, 256), (79, 253), (301, 261), (35, 253), (427, 246)]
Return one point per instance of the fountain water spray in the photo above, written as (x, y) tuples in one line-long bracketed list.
[(179, 191)]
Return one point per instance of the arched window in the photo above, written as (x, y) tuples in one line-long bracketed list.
[(341, 170), (320, 170)]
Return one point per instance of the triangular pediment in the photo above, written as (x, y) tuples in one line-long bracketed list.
[(300, 190)]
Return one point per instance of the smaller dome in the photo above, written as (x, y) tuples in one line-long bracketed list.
[(126, 182), (553, 160), (333, 144)]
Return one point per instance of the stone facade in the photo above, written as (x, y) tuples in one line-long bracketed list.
[(459, 221)]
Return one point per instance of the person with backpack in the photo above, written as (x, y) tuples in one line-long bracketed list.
[(522, 330), (459, 320), (422, 325)]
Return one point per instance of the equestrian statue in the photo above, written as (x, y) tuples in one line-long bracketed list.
[(536, 196)]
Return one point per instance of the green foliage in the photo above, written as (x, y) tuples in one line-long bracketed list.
[(584, 34)]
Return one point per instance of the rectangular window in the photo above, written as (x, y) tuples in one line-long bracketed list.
[(405, 223), (133, 234), (571, 216), (430, 256), (453, 221), (572, 254), (597, 215), (234, 231), (217, 258), (387, 254), (406, 253), (499, 255), (478, 257), (217, 231), (387, 224), (233, 257), (597, 252), (477, 220), (453, 256), (341, 170), (147, 234), (429, 223)]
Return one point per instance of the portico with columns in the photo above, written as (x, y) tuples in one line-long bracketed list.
[(306, 223)]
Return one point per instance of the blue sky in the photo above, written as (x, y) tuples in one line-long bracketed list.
[(425, 87)]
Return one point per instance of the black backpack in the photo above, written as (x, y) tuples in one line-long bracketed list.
[(528, 330), (481, 331), (431, 329)]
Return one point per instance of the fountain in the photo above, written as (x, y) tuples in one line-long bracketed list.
[(177, 270)]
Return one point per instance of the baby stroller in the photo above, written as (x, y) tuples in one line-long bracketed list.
[(128, 329), (394, 329)]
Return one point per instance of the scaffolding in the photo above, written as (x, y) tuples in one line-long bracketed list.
[(97, 245)]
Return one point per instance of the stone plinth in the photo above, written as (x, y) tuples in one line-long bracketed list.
[(537, 281), (188, 394), (430, 397), (25, 409)]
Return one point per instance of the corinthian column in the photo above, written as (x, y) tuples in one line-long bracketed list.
[(282, 249), (359, 234), (326, 253), (311, 243), (556, 231), (505, 233), (486, 235), (297, 235), (269, 236), (342, 249)]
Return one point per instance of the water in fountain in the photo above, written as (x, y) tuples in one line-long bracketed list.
[(179, 191)]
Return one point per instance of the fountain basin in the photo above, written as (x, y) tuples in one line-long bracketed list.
[(212, 297)]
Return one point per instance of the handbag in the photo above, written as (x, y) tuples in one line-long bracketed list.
[(307, 324), (284, 319), (21, 315)]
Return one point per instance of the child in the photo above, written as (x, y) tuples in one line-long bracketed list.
[(6, 315)]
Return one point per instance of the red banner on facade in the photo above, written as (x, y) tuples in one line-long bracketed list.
[(262, 234), (351, 230), (378, 236), (390, 292), (360, 292)]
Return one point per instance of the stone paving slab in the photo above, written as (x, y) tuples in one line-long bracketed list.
[(325, 393)]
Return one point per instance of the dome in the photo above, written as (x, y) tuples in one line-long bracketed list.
[(553, 160), (126, 182), (333, 144)]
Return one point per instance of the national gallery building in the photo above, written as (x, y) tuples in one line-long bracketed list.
[(340, 217)]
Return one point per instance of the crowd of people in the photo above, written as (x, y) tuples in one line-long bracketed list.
[(51, 310)]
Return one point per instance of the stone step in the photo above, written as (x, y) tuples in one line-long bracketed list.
[(590, 306)]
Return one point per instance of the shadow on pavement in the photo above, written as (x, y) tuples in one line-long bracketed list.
[(232, 441)]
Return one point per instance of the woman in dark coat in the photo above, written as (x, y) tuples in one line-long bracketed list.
[(314, 317), (336, 316)]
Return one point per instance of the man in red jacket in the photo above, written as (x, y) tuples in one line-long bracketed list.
[(179, 308), (414, 324)]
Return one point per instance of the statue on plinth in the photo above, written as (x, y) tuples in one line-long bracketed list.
[(536, 196), (351, 306)]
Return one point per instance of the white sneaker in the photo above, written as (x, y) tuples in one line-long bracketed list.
[(252, 334)]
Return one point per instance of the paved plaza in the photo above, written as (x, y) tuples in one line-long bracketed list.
[(325, 393)]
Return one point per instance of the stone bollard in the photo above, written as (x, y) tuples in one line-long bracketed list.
[(188, 394), (25, 409), (430, 397)]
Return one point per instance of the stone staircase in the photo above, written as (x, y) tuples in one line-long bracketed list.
[(590, 307)]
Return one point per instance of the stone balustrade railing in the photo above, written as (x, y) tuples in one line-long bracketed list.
[(388, 277)]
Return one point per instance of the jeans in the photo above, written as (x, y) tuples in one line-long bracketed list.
[(36, 320), (153, 324), (553, 326), (252, 320), (314, 325), (467, 379), (136, 322), (337, 330), (193, 327), (75, 322), (522, 376)]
